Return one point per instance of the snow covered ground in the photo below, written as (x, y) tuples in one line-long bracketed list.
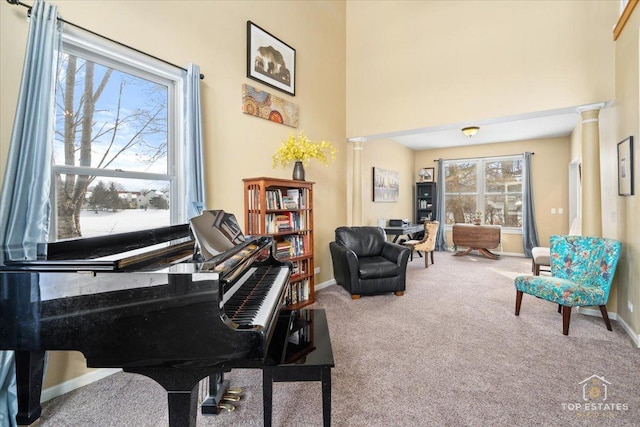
[(95, 224)]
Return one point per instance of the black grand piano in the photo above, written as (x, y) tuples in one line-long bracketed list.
[(177, 304)]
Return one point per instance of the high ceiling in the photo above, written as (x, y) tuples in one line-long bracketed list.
[(546, 124)]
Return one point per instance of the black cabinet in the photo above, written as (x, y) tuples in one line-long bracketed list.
[(426, 202)]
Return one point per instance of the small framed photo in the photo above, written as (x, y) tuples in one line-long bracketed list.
[(625, 167), (270, 60), (426, 174)]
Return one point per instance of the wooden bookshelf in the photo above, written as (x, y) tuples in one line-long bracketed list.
[(283, 208)]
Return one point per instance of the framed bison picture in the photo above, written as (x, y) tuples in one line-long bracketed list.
[(270, 60)]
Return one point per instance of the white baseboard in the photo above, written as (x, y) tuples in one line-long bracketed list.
[(82, 380), (613, 316), (325, 284)]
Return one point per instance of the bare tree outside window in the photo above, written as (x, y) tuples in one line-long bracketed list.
[(461, 190), (489, 189), (503, 192), (106, 120)]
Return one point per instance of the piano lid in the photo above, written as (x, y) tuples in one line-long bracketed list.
[(216, 232)]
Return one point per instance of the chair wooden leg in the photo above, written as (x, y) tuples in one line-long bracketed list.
[(399, 293), (426, 260), (533, 266), (566, 317), (559, 308), (431, 257), (536, 270), (355, 296), (605, 316), (518, 302)]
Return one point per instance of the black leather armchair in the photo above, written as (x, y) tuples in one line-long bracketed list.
[(365, 263)]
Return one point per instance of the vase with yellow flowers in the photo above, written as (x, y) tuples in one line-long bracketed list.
[(300, 150)]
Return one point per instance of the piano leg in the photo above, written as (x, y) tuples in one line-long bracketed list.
[(29, 373), (183, 407), (181, 385), (217, 387)]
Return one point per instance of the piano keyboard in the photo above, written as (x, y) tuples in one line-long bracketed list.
[(252, 300)]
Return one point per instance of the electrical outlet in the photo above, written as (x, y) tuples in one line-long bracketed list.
[(553, 211), (560, 211), (630, 305), (316, 270)]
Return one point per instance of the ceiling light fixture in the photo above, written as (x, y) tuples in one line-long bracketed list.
[(470, 130)]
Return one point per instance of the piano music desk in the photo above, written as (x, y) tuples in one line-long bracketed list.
[(312, 362)]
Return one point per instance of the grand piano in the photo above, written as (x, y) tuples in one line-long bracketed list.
[(177, 304)]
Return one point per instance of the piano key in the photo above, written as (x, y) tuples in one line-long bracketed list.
[(255, 299)]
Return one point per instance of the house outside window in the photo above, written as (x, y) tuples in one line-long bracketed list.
[(118, 140), (485, 188)]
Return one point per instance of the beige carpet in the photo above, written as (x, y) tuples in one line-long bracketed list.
[(450, 352)]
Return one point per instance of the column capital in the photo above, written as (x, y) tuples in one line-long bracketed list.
[(359, 139), (589, 107)]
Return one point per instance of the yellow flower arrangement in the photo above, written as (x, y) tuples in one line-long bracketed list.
[(301, 149)]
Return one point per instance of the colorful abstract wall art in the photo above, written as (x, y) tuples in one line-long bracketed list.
[(267, 106)]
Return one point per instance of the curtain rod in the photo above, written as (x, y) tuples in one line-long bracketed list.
[(19, 3), (484, 157)]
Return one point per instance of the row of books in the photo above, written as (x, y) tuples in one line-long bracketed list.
[(277, 199), (298, 292), (291, 246), (285, 221), (299, 267)]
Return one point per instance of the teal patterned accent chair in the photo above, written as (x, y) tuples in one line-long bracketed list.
[(582, 270)]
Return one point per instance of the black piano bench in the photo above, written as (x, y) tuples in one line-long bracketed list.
[(308, 357)]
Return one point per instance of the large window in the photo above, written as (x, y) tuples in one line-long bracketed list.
[(116, 150), (489, 189)]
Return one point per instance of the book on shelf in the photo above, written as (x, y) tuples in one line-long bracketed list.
[(283, 249), (284, 222), (274, 199), (299, 268), (293, 195), (298, 244), (298, 292)]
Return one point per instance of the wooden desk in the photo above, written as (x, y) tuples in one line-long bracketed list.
[(407, 230), (477, 237)]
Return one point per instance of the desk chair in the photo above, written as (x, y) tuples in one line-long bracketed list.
[(427, 244)]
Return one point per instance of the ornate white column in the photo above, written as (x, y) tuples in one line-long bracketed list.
[(591, 191), (356, 191)]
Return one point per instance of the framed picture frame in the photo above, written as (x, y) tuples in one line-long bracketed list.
[(386, 185), (270, 60), (427, 174), (625, 167)]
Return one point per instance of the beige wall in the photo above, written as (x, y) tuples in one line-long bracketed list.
[(406, 65), (417, 64), (549, 176), (626, 123), (212, 34), (389, 155)]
